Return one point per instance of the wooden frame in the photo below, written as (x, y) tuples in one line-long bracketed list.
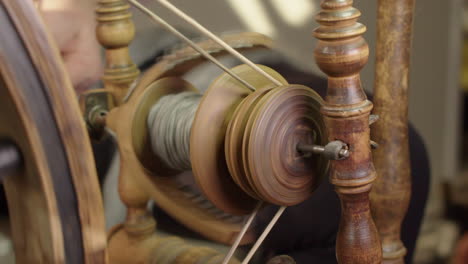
[(341, 53), (363, 237)]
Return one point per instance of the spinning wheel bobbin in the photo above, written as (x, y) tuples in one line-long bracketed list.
[(141, 141), (208, 137), (143, 176), (284, 118), (234, 138), (243, 144)]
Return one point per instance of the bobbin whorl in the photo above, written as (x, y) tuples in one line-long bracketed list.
[(208, 136), (257, 133), (243, 144), (283, 118)]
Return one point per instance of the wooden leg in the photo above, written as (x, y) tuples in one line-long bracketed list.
[(341, 53), (392, 189)]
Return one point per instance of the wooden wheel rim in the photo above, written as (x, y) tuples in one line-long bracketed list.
[(208, 136), (283, 118), (58, 188)]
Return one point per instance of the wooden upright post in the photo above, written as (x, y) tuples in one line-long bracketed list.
[(341, 53), (391, 194), (115, 31)]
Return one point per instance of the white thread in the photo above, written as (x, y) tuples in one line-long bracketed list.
[(216, 39), (263, 235), (169, 124), (241, 234), (189, 42)]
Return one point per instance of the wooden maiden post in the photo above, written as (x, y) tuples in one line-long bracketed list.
[(391, 193), (341, 53), (115, 31)]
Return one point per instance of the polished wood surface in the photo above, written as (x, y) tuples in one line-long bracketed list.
[(282, 119), (182, 59), (392, 190), (138, 182), (341, 53), (36, 203), (154, 248), (55, 203), (31, 184), (115, 31), (207, 145)]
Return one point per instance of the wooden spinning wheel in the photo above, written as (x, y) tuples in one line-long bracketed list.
[(55, 207), (255, 139)]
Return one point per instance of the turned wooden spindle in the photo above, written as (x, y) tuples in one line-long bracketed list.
[(341, 53), (115, 31), (392, 190)]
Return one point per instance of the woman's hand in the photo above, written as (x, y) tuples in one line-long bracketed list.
[(72, 24)]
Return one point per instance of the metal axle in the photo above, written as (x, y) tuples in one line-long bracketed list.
[(334, 150)]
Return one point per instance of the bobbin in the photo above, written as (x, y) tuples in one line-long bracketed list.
[(141, 177), (244, 144), (208, 136), (283, 118)]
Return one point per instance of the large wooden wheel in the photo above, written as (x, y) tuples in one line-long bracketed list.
[(54, 199)]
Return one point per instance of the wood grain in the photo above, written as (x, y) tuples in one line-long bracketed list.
[(392, 190), (341, 53), (125, 248), (115, 31), (73, 135), (32, 183), (137, 183), (207, 145)]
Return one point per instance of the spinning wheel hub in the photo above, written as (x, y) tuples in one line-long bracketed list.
[(243, 144), (208, 138), (283, 118)]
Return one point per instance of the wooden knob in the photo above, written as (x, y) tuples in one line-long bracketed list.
[(341, 53), (115, 31)]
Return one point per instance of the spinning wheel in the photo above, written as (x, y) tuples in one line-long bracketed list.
[(55, 207), (255, 139)]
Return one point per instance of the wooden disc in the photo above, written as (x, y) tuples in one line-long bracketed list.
[(285, 117), (140, 135), (54, 200), (208, 136), (234, 139)]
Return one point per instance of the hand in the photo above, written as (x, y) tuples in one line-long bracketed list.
[(73, 27)]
